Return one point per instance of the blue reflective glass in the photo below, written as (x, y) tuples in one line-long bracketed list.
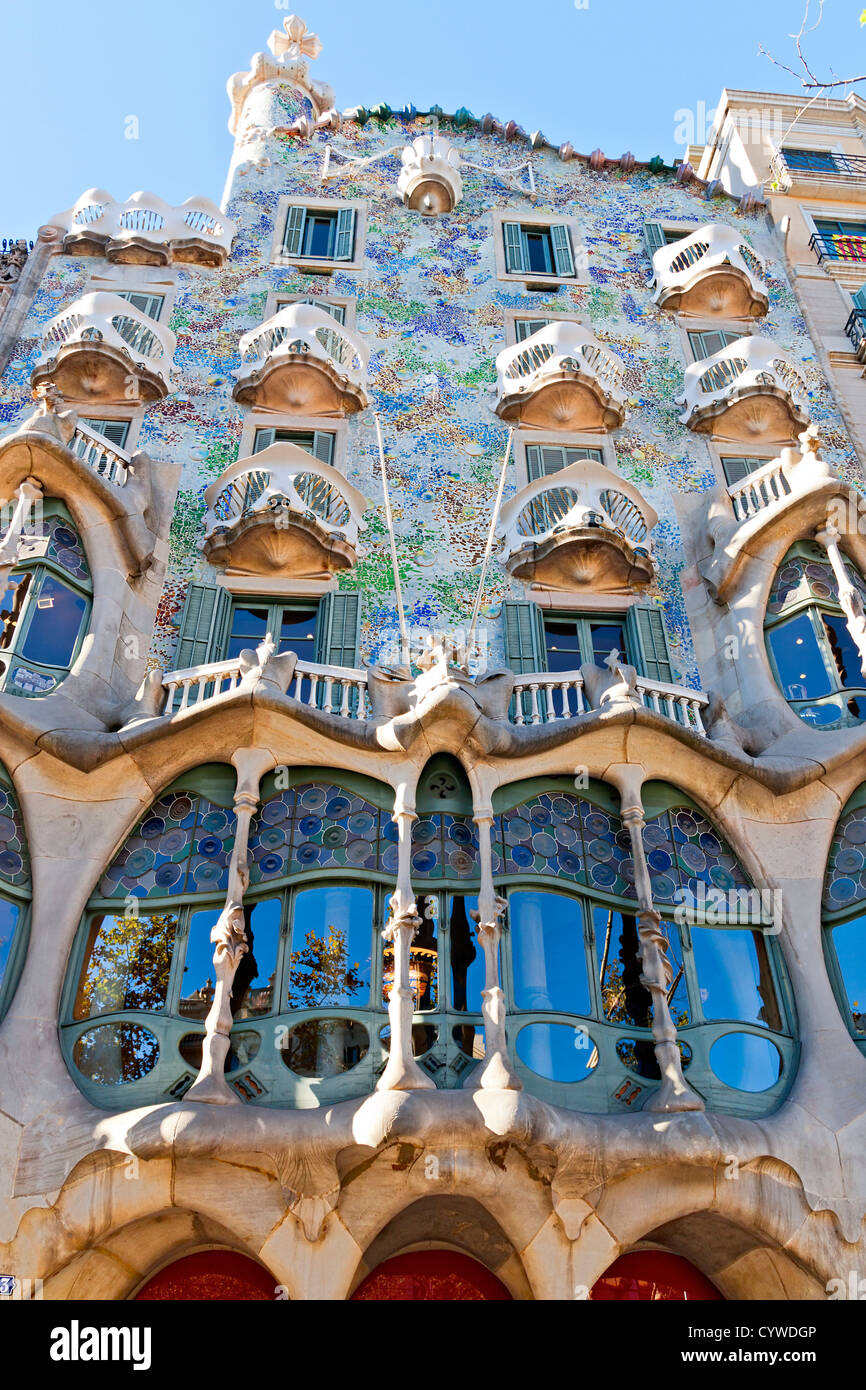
[(9, 914), (745, 1061), (844, 651), (197, 984), (796, 651), (547, 950), (557, 1051), (332, 934), (849, 941), (467, 957), (56, 617), (254, 983), (734, 976)]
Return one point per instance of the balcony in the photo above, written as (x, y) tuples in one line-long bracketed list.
[(838, 250), (303, 362), (820, 172), (560, 378), (789, 496), (749, 392), (283, 512), (856, 331), (582, 528), (97, 347), (545, 697), (711, 273), (338, 690), (146, 231)]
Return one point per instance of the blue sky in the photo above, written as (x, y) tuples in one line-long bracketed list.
[(610, 75)]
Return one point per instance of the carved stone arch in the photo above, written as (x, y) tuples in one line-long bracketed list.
[(449, 1222)]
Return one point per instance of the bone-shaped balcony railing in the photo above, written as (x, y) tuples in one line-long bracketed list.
[(748, 363), (145, 217), (108, 319), (558, 347), (107, 460), (546, 697), (586, 494), (281, 480), (710, 248), (339, 690), (306, 330)]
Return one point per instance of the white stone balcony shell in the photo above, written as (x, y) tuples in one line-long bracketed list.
[(429, 180), (145, 230), (711, 273), (583, 528), (750, 392), (304, 362), (561, 378), (92, 349), (284, 512)]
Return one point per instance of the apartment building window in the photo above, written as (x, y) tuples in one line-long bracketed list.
[(320, 234), (710, 341), (319, 443), (812, 161), (150, 304), (538, 249), (216, 625), (839, 239), (292, 625), (544, 459)]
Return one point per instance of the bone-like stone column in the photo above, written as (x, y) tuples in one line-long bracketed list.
[(402, 1072), (496, 1073), (229, 936), (674, 1093), (27, 495), (849, 596)]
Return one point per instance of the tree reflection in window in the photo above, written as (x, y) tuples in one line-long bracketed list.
[(127, 963), (331, 936)]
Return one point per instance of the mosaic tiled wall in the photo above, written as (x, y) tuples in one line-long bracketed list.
[(431, 308)]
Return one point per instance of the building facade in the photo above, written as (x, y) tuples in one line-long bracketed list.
[(430, 722)]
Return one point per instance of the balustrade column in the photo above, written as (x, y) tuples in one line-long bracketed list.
[(496, 1073), (402, 1072), (850, 599), (229, 937)]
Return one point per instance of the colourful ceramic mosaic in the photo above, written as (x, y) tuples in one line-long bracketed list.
[(14, 857), (432, 310), (845, 882), (182, 845)]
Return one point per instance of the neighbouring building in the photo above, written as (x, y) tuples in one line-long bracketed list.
[(433, 729)]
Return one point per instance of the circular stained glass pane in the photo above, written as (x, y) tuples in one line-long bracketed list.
[(424, 832), (855, 832), (693, 859), (214, 822), (686, 822), (710, 843), (274, 812), (115, 1054), (10, 862), (272, 838), (460, 833), (566, 835), (139, 862), (389, 859), (602, 875), (659, 861), (360, 852), (663, 887), (210, 846), (271, 864), (362, 823), (152, 828), (557, 1051), (309, 825), (544, 844), (519, 828), (849, 861), (63, 536), (180, 808), (173, 841), (461, 862), (746, 1062), (335, 835), (313, 798), (337, 807), (564, 808), (601, 850), (597, 824), (307, 854), (323, 1047), (655, 834), (842, 890), (568, 863), (522, 857), (424, 861), (721, 878), (206, 875), (7, 828)]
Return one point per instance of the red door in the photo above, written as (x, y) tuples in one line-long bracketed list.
[(211, 1274), (429, 1275), (653, 1274)]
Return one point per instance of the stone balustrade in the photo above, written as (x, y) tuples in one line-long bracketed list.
[(146, 230), (711, 272), (303, 360), (561, 377)]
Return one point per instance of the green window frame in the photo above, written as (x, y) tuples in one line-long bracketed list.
[(736, 467), (115, 431), (528, 242), (524, 328), (544, 459), (656, 235), (708, 341), (303, 227), (319, 443)]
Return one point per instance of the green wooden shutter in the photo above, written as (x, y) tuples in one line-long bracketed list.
[(150, 304), (859, 298), (338, 629), (524, 328), (323, 446), (294, 237), (525, 648), (648, 643), (516, 259), (345, 245), (561, 242), (204, 626), (534, 464), (654, 237), (115, 431), (263, 440)]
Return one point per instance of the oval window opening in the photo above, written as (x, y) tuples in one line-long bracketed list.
[(242, 1049), (639, 1055), (114, 1054), (557, 1051), (746, 1062), (323, 1047), (424, 1036)]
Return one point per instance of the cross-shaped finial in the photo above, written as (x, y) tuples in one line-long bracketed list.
[(296, 42)]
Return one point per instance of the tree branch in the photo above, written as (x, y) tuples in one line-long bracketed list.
[(810, 82)]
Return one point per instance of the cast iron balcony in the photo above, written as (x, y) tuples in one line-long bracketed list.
[(711, 273), (856, 330), (561, 378), (146, 231), (283, 511), (302, 361), (582, 528), (814, 171), (748, 391), (98, 346), (849, 250)]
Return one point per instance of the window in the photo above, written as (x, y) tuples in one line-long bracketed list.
[(534, 637), (45, 607), (150, 304), (571, 641), (321, 234), (814, 657), (710, 341), (291, 625), (535, 249), (739, 466), (336, 311), (840, 239), (320, 443), (524, 328), (811, 161), (15, 889), (844, 912), (656, 235), (544, 459), (115, 431)]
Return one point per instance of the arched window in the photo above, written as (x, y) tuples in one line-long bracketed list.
[(844, 910), (814, 658), (653, 1275), (211, 1275), (45, 608), (430, 1276), (15, 891)]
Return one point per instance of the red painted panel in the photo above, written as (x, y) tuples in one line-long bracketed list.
[(653, 1274), (211, 1274), (429, 1275)]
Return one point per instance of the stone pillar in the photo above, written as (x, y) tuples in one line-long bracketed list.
[(229, 937), (402, 1072), (496, 1073), (849, 596), (27, 495), (674, 1093)]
